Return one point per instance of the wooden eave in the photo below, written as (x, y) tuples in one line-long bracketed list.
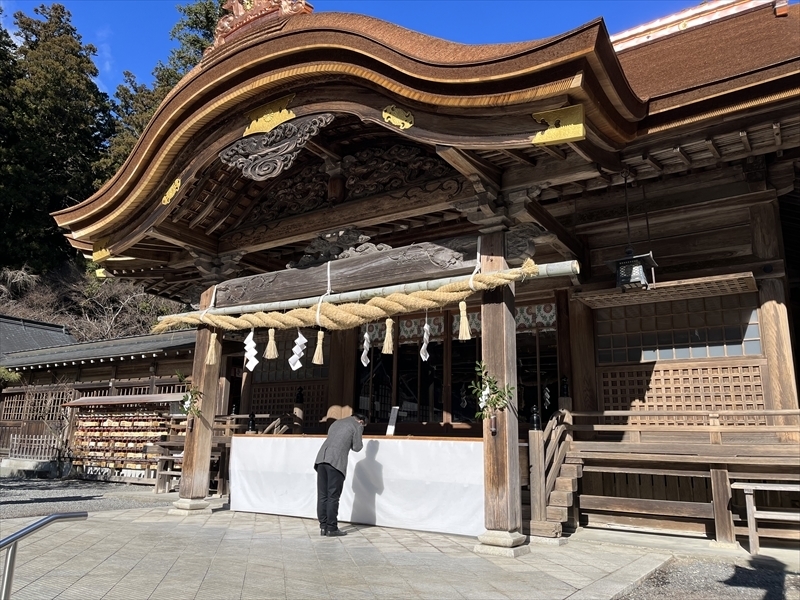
[(580, 64)]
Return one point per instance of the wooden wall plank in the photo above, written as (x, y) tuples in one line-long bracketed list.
[(581, 335)]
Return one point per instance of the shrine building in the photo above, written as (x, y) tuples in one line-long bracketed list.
[(361, 214)]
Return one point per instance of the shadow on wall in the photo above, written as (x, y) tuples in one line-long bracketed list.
[(367, 485)]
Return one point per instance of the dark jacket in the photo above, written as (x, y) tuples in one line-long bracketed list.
[(344, 435)]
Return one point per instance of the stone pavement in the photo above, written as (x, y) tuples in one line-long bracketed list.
[(144, 553)]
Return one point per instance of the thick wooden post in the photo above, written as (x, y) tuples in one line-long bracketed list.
[(581, 334), (197, 447), (503, 502), (778, 349), (341, 378), (721, 499)]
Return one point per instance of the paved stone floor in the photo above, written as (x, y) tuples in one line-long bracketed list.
[(144, 553)]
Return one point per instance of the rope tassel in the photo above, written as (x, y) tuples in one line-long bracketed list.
[(463, 322), (271, 352), (388, 340), (318, 358), (211, 355)]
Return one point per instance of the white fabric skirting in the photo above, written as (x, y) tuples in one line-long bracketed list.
[(427, 485)]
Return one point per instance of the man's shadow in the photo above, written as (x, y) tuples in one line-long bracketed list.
[(367, 484), (767, 574)]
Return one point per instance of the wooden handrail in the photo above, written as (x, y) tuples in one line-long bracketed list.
[(685, 413)]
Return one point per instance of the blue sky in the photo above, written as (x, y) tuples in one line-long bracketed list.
[(133, 35)]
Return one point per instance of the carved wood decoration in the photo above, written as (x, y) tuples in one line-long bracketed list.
[(243, 12), (399, 171), (379, 170), (265, 156)]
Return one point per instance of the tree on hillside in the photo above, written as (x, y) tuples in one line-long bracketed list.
[(60, 124), (135, 103), (91, 308)]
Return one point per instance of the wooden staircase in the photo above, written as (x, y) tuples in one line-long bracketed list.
[(553, 479)]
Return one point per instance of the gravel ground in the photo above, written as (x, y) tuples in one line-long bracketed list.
[(40, 497), (703, 579)]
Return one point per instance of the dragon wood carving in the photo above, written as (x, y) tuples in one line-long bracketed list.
[(267, 155)]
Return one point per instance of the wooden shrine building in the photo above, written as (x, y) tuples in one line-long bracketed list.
[(639, 190)]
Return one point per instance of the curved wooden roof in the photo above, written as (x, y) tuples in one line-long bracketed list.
[(173, 194)]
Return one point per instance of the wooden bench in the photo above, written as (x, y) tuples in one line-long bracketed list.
[(753, 514)]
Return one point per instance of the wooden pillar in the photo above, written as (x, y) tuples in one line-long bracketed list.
[(564, 344), (197, 447), (721, 498), (777, 347), (502, 495), (581, 335), (246, 398), (341, 374)]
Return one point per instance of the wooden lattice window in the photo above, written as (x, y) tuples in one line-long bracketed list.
[(133, 390), (278, 399), (13, 406), (713, 327), (701, 386), (98, 392)]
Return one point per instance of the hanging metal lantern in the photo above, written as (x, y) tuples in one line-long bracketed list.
[(632, 270)]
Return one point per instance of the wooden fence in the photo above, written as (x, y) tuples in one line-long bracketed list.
[(33, 447)]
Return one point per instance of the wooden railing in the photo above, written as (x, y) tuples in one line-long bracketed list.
[(547, 449), (677, 472)]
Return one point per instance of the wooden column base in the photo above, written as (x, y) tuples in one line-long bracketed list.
[(502, 543)]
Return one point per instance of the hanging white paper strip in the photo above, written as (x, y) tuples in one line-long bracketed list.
[(250, 352), (365, 352), (298, 351), (426, 337)]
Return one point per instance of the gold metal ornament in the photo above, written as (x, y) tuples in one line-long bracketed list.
[(170, 193), (563, 125), (399, 117), (268, 117), (99, 250)]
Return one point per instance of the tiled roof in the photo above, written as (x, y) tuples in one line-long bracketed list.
[(720, 51), (23, 334), (121, 347)]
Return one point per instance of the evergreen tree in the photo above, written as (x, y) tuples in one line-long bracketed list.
[(61, 123), (135, 103)]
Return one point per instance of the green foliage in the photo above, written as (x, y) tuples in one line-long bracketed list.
[(488, 393), (54, 124), (194, 32), (135, 102), (7, 377), (190, 402)]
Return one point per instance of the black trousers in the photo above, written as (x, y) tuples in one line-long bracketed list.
[(330, 482)]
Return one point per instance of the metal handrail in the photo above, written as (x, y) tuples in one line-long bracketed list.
[(11, 541)]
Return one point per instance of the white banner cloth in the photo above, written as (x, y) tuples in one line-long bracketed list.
[(426, 485)]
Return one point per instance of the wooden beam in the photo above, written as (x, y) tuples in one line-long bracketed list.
[(681, 154), (434, 196), (776, 132), (745, 141), (652, 161), (483, 175), (183, 238), (549, 173), (411, 263), (525, 209), (721, 500), (520, 157), (322, 151), (609, 161), (503, 508), (553, 151), (712, 147)]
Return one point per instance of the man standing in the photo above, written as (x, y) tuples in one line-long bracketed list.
[(331, 466)]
